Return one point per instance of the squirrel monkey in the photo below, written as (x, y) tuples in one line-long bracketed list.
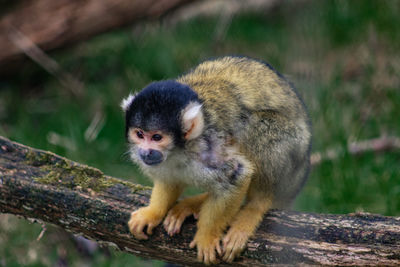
[(233, 127)]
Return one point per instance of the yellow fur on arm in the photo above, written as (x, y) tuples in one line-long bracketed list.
[(163, 196)]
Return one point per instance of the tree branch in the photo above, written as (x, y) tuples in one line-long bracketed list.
[(46, 187), (51, 24)]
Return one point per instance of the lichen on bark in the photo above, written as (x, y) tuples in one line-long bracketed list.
[(61, 172)]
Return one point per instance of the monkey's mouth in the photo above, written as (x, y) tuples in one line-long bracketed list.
[(152, 161)]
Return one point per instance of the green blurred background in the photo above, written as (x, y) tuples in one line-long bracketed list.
[(343, 56)]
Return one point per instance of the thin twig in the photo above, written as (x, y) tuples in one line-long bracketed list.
[(380, 144), (29, 48), (44, 229)]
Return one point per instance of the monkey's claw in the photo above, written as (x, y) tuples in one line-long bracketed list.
[(176, 216), (206, 247), (233, 244), (141, 218)]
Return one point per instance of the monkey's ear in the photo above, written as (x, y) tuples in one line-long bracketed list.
[(192, 121), (126, 102)]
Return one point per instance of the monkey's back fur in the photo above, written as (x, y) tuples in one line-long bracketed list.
[(263, 114)]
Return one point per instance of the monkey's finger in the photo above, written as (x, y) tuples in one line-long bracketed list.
[(139, 231), (171, 225), (228, 251), (140, 226), (200, 255), (167, 220), (132, 222), (206, 257), (178, 224), (227, 254), (192, 244), (132, 226), (235, 252), (140, 235), (231, 256), (225, 242), (170, 228), (211, 255), (218, 248), (150, 228), (232, 251)]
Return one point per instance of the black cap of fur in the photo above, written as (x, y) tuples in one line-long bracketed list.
[(158, 107)]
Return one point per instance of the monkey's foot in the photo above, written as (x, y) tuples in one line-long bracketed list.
[(143, 217), (182, 210), (206, 247), (233, 243), (176, 216)]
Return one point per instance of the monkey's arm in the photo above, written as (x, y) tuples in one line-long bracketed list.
[(163, 196)]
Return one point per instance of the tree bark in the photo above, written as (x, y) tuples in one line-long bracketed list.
[(46, 187), (51, 24)]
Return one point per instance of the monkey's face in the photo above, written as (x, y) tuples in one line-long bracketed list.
[(162, 116), (149, 147)]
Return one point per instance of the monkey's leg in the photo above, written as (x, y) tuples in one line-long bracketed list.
[(186, 207), (244, 225), (214, 216), (163, 196)]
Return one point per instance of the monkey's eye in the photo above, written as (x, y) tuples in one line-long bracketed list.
[(156, 137), (139, 134)]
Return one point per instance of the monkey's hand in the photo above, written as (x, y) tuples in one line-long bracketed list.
[(144, 217), (185, 208), (207, 243)]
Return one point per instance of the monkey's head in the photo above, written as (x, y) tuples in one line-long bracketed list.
[(163, 116)]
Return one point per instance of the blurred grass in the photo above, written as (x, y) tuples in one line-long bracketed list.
[(341, 55)]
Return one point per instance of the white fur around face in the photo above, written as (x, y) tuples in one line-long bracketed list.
[(126, 102)]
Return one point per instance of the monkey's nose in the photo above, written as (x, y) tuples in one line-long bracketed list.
[(151, 156)]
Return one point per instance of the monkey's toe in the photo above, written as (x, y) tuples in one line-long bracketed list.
[(176, 216), (233, 243), (172, 224)]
